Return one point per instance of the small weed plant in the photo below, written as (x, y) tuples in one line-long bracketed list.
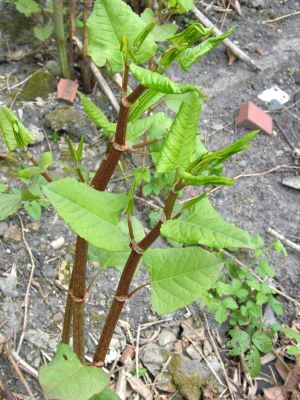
[(105, 223)]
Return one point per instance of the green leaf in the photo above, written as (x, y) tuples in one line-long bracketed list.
[(138, 127), (180, 276), (9, 204), (253, 362), (65, 378), (223, 289), (142, 36), (147, 100), (188, 57), (116, 20), (279, 247), (27, 7), (239, 343), (160, 33), (46, 160), (79, 149), (43, 32), (293, 351), (34, 209), (261, 298), (13, 131), (262, 341), (205, 226), (229, 302), (180, 144), (264, 269), (191, 34), (276, 306), (182, 6), (160, 83), (29, 172), (91, 214), (206, 180), (96, 115), (106, 394), (3, 188), (292, 334), (117, 259), (221, 313)]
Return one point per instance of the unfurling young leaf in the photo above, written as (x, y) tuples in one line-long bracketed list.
[(180, 144), (96, 115), (188, 57), (65, 378), (191, 34), (13, 131), (160, 83)]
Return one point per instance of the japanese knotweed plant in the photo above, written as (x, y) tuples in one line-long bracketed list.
[(104, 222)]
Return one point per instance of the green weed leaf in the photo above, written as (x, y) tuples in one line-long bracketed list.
[(262, 341), (253, 362), (205, 226), (43, 32), (91, 214), (160, 33), (180, 276), (65, 378), (180, 144), (27, 7), (191, 34), (106, 394), (116, 20), (239, 343)]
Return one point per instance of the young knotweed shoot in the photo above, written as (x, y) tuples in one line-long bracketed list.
[(106, 227)]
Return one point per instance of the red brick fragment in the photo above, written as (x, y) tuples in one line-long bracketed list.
[(252, 117), (66, 90)]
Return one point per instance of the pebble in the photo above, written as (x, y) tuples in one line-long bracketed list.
[(269, 316), (152, 358), (274, 105), (57, 243), (193, 353), (3, 228), (12, 235), (296, 76), (166, 338)]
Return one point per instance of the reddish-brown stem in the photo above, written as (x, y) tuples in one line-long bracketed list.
[(36, 164), (126, 278), (99, 182), (78, 296)]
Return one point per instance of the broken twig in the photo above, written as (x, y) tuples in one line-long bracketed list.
[(233, 47), (284, 239)]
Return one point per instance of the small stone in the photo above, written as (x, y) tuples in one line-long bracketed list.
[(217, 127), (243, 163), (193, 353), (292, 181), (296, 76), (58, 317), (57, 243), (71, 120), (166, 338), (34, 226), (12, 235), (269, 316), (275, 105), (214, 363), (3, 228), (53, 67), (152, 358), (165, 385)]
